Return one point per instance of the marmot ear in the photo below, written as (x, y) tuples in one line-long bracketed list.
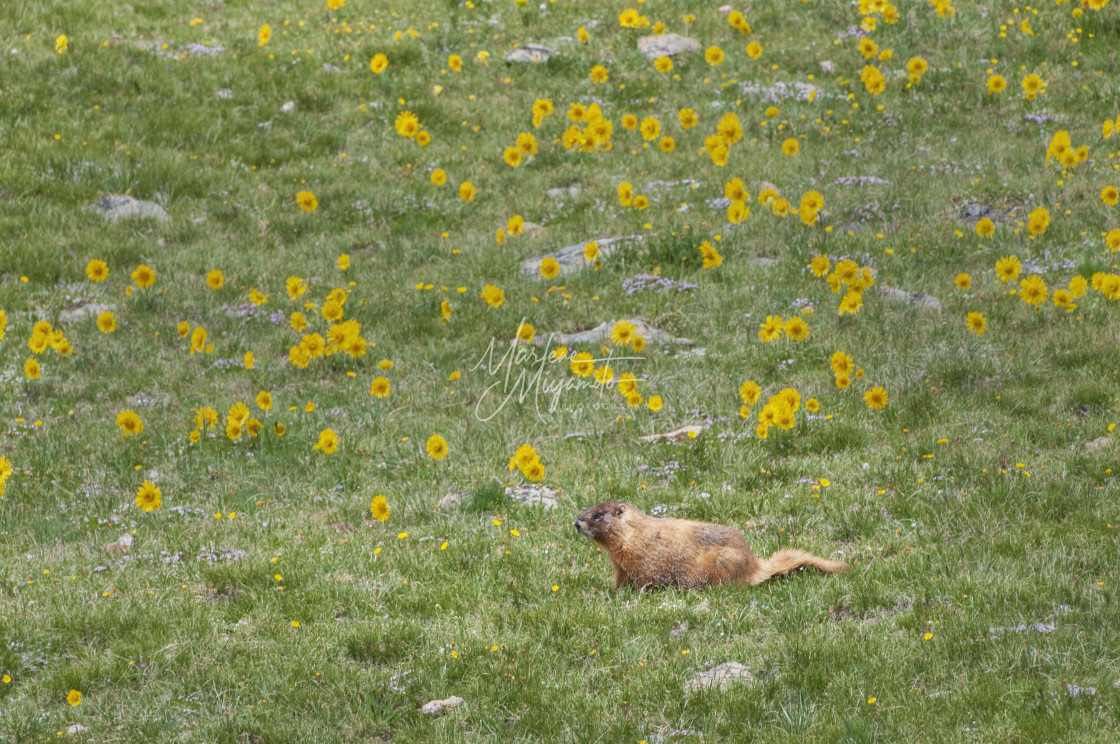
[(618, 511)]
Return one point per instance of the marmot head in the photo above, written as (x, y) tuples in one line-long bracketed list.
[(600, 520)]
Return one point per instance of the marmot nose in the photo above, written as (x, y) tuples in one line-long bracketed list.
[(576, 524)]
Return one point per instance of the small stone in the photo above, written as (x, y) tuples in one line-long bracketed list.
[(123, 206), (603, 331), (976, 211), (678, 435), (828, 66), (453, 499), (121, 545), (143, 400), (721, 678), (288, 107), (723, 9), (1099, 443), (920, 300), (84, 312), (532, 229), (439, 707), (530, 53), (571, 257), (534, 495), (75, 729), (328, 67), (666, 45), (860, 181), (564, 192)]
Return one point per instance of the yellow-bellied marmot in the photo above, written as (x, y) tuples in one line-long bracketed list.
[(660, 551)]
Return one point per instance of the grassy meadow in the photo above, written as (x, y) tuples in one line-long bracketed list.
[(225, 436)]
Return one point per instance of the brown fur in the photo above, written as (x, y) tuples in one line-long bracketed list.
[(660, 551)]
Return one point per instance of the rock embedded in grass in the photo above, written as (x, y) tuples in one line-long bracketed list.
[(571, 257), (122, 206), (602, 332), (533, 495), (529, 53), (920, 300), (666, 45), (439, 707), (1099, 443), (976, 211), (677, 435), (563, 192), (121, 545), (84, 312), (722, 678)]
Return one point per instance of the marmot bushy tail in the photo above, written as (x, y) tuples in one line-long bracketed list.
[(785, 561), (660, 551)]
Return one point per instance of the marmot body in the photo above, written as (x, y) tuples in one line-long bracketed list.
[(660, 551)]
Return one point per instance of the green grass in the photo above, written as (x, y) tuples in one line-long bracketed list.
[(971, 508)]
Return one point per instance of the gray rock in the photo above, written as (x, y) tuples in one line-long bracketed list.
[(666, 45), (121, 545), (142, 399), (328, 67), (439, 707), (564, 192), (678, 435), (1099, 443), (75, 729), (453, 499), (84, 312), (530, 53), (780, 91), (721, 678), (122, 206), (603, 332), (571, 257), (860, 181), (288, 107), (532, 229), (976, 211), (534, 495), (920, 300), (1042, 628)]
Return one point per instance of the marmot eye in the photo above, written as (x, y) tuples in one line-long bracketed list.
[(599, 515)]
